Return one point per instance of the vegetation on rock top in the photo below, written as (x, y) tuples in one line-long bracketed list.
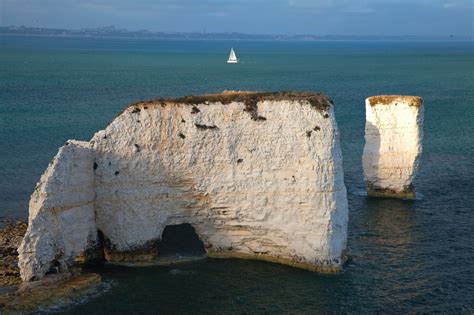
[(389, 99)]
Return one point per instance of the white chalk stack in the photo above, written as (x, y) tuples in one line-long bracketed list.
[(393, 137)]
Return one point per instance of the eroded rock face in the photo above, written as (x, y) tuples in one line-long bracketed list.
[(61, 223), (393, 144), (256, 180), (258, 175)]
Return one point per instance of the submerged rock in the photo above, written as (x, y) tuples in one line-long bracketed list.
[(258, 176), (393, 144)]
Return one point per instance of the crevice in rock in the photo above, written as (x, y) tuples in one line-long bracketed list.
[(204, 127), (54, 268)]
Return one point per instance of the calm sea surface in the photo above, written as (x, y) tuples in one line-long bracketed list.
[(406, 255)]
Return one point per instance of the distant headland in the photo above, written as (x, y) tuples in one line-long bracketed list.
[(114, 32)]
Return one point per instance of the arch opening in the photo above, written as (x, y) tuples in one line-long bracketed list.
[(180, 240)]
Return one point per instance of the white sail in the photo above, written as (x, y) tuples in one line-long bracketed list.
[(232, 57)]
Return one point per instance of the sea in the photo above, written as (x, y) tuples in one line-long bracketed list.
[(405, 256)]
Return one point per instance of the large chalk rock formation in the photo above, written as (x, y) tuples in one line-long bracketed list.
[(393, 137), (258, 175)]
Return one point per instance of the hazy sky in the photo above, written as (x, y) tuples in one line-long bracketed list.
[(349, 17)]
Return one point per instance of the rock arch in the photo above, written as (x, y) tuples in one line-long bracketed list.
[(180, 239), (258, 175)]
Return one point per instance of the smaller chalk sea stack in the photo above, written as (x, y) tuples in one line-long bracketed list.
[(257, 175), (393, 137)]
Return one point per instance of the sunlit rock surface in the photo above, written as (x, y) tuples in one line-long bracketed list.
[(258, 175), (61, 223), (393, 143)]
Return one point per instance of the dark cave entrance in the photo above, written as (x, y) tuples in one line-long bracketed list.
[(180, 240)]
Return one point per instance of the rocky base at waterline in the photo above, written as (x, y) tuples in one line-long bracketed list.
[(10, 238), (52, 292), (55, 290)]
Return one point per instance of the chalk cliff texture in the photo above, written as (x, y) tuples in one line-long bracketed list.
[(393, 143), (61, 222), (258, 175)]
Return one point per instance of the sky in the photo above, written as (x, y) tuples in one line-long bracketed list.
[(317, 17)]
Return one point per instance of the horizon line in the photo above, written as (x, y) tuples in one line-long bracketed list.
[(113, 28)]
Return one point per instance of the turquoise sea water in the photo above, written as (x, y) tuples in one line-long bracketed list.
[(406, 255)]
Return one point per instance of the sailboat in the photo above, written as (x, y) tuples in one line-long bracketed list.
[(232, 57)]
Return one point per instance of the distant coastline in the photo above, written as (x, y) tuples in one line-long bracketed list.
[(113, 32)]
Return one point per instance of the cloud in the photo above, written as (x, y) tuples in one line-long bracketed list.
[(359, 10), (335, 4), (323, 4), (449, 5)]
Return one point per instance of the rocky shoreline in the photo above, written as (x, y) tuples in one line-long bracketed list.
[(52, 292), (10, 239), (55, 290)]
